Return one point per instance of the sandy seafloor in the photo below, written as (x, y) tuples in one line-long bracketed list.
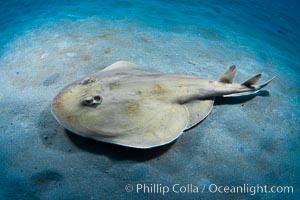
[(45, 45)]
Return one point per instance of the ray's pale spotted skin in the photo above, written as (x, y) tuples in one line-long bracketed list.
[(126, 105)]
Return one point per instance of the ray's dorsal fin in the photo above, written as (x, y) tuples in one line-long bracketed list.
[(120, 65), (250, 82), (229, 74)]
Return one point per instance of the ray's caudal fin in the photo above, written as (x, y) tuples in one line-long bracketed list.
[(251, 82), (230, 73)]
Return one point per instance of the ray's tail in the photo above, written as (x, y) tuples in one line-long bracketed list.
[(250, 84)]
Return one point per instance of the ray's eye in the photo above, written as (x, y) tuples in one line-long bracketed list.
[(87, 101), (91, 100), (97, 98)]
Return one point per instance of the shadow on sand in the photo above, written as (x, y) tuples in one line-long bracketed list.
[(116, 152)]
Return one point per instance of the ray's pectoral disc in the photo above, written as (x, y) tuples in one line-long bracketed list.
[(126, 105)]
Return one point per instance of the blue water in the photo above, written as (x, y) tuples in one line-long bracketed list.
[(45, 45), (276, 22)]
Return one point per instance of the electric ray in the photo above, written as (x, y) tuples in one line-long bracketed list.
[(126, 105)]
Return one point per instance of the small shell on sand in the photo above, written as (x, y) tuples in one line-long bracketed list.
[(71, 54), (44, 55)]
